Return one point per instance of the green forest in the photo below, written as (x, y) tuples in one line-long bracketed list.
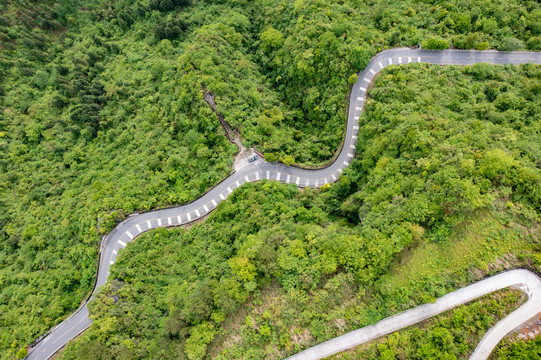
[(102, 114), (276, 269)]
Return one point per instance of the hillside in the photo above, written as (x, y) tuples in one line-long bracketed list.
[(453, 197), (103, 115)]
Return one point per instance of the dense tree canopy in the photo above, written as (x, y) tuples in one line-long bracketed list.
[(102, 114), (276, 269)]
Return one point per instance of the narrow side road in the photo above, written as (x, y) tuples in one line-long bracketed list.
[(133, 226), (524, 280)]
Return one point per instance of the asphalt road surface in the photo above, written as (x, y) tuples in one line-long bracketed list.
[(133, 226)]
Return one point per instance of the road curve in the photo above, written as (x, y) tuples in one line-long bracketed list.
[(133, 226), (522, 279)]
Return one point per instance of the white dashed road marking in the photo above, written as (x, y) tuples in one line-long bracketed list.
[(372, 71), (229, 190), (148, 224), (189, 216), (333, 177), (367, 80), (159, 222), (298, 180), (197, 213), (418, 59), (179, 219), (409, 59), (222, 196), (257, 176), (288, 177), (121, 243), (138, 228), (346, 163), (380, 65), (129, 234), (214, 203), (390, 61), (362, 89), (400, 60), (169, 221), (246, 178), (206, 208), (115, 252)]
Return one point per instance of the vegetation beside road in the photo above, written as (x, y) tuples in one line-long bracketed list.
[(102, 115), (453, 197), (518, 350), (451, 335)]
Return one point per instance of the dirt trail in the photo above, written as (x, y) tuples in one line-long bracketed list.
[(241, 159)]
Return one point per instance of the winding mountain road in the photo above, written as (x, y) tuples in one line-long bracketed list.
[(134, 225)]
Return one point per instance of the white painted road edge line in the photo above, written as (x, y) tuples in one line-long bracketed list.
[(448, 56)]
